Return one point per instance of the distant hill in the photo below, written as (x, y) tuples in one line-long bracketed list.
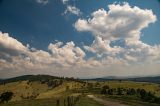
[(40, 78), (155, 79), (29, 77)]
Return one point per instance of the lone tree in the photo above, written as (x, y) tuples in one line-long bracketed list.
[(6, 96)]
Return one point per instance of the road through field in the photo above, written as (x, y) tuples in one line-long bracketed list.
[(106, 102)]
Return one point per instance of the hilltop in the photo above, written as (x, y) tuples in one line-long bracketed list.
[(29, 78)]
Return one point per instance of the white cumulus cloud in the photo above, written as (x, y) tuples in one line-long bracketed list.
[(64, 1), (15, 56), (44, 2), (73, 10), (11, 45), (121, 21)]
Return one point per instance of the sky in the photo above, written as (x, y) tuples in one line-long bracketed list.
[(80, 38)]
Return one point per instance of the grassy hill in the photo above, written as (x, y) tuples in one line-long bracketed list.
[(29, 78), (40, 90), (37, 86)]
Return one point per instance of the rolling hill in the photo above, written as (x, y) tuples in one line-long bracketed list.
[(29, 78)]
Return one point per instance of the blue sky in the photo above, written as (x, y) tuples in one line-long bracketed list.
[(33, 23), (42, 22)]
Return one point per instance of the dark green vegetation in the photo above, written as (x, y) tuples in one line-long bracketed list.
[(6, 96), (137, 93), (44, 90)]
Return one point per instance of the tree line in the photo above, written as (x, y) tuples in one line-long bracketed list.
[(144, 95)]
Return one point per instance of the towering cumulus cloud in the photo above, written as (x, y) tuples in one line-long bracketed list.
[(121, 21), (122, 24), (117, 48)]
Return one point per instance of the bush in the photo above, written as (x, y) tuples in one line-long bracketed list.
[(104, 88), (131, 91), (6, 96), (119, 91), (110, 91), (142, 93)]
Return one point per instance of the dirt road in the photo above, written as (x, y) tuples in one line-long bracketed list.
[(106, 102)]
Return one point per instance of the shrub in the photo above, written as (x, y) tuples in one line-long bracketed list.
[(6, 96), (119, 91), (104, 88), (131, 91), (110, 91)]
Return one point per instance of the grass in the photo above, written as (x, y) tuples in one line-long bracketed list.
[(131, 100), (85, 101), (59, 91), (43, 91), (22, 88), (37, 102)]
